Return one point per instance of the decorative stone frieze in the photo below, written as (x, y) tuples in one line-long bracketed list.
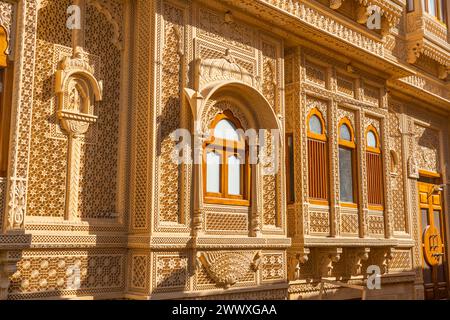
[(227, 268)]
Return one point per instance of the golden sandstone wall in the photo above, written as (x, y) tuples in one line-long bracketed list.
[(107, 214)]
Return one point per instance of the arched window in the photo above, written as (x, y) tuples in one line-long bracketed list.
[(226, 172), (6, 81), (318, 158), (374, 165), (347, 164)]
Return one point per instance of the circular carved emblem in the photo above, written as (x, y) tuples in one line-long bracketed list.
[(432, 246)]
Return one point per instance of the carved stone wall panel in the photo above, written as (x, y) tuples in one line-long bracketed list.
[(401, 261), (139, 276), (273, 267), (99, 163), (375, 225), (143, 117), (213, 27), (271, 185), (169, 106), (428, 148), (227, 223), (271, 75), (319, 222), (170, 271), (46, 274), (345, 85), (315, 73), (349, 224), (234, 269), (47, 169), (397, 169)]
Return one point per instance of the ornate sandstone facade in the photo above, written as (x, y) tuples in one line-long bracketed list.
[(92, 205)]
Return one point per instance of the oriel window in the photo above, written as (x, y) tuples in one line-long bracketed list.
[(226, 171)]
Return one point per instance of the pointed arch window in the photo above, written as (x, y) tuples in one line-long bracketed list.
[(226, 172), (6, 81), (318, 158), (347, 164), (374, 166)]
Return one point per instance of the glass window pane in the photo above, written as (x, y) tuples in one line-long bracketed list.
[(432, 7), (226, 130), (234, 176), (346, 175), (410, 5), (345, 133), (213, 172), (315, 125), (424, 219), (437, 220), (371, 139)]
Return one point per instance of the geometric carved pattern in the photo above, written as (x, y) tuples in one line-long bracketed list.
[(273, 267), (375, 225), (47, 169), (170, 270), (345, 85), (401, 261), (53, 273), (315, 73), (139, 270), (169, 120), (349, 223), (319, 222), (227, 222), (428, 144)]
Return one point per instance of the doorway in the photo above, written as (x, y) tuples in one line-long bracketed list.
[(434, 262)]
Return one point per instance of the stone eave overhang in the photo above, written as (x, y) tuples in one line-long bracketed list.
[(425, 97), (317, 24)]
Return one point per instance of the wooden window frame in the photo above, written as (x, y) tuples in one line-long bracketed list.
[(290, 170), (7, 76), (440, 10), (377, 151), (320, 138), (350, 145), (227, 148)]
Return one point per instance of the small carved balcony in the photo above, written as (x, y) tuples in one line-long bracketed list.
[(428, 36)]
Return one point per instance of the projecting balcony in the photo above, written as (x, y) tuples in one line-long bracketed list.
[(427, 35)]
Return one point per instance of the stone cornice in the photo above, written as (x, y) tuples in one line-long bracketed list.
[(322, 26)]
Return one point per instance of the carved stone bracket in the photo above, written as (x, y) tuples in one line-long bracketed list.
[(8, 266), (301, 258), (336, 4), (327, 258), (381, 257), (77, 89), (228, 268), (355, 260)]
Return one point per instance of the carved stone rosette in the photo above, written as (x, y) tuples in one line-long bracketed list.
[(77, 89)]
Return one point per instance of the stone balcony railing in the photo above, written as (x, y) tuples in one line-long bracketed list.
[(428, 36)]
